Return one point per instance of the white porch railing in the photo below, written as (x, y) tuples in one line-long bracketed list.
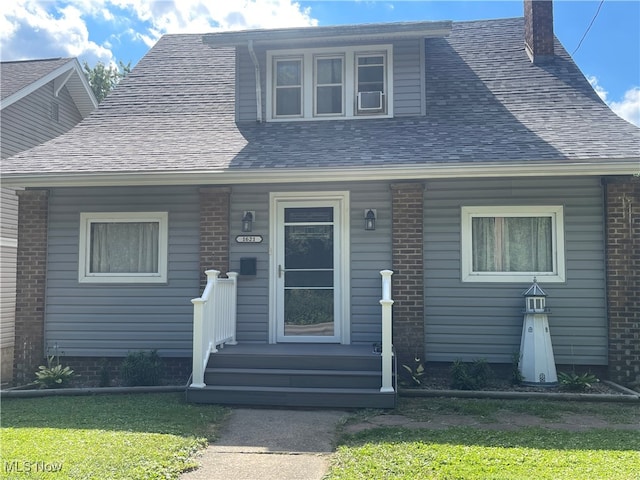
[(214, 321), (387, 347)]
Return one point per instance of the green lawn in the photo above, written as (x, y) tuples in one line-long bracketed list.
[(141, 436), (480, 452)]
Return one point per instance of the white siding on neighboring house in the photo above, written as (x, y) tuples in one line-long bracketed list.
[(8, 249), (26, 123), (484, 320)]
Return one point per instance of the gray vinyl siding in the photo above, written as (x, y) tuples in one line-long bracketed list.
[(246, 85), (27, 122), (408, 78), (484, 320), (370, 253), (408, 86), (8, 250), (114, 319)]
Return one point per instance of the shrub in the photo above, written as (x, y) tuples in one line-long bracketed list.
[(474, 376), (576, 382), (141, 369), (105, 375), (412, 375), (53, 375), (516, 374)]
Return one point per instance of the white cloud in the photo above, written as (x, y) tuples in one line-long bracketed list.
[(41, 28), (32, 29), (627, 108), (602, 93)]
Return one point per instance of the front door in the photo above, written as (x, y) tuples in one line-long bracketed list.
[(309, 270)]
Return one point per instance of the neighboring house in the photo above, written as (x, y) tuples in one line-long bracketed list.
[(479, 150), (40, 100)]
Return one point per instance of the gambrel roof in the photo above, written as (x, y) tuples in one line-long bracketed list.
[(489, 112), (20, 78)]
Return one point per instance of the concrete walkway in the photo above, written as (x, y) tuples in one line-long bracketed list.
[(270, 444)]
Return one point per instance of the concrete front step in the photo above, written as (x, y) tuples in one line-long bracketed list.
[(292, 397), (307, 378), (371, 362)]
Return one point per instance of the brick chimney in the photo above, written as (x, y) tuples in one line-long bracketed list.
[(538, 30)]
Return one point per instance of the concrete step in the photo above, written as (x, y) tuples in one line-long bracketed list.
[(303, 378), (372, 362), (292, 396)]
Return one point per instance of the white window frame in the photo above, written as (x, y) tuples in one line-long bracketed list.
[(289, 58), (349, 54), (84, 261), (555, 212), (316, 85), (383, 103)]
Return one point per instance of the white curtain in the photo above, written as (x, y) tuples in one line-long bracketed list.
[(125, 247), (512, 244)]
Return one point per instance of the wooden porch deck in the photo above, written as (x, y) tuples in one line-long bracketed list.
[(294, 375)]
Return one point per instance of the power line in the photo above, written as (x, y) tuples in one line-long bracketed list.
[(588, 28)]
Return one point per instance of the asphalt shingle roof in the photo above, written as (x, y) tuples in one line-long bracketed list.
[(486, 102), (20, 74)]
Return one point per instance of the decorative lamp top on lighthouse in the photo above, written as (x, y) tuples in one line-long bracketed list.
[(535, 299)]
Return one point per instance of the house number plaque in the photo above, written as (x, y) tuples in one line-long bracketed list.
[(249, 239)]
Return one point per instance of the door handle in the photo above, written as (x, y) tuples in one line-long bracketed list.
[(280, 271)]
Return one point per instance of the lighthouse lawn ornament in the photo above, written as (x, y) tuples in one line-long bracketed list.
[(537, 364)]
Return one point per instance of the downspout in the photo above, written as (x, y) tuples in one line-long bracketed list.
[(256, 66)]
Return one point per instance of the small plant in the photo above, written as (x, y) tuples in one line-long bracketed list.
[(53, 375), (576, 382), (413, 374), (141, 368), (516, 374), (474, 376), (105, 374)]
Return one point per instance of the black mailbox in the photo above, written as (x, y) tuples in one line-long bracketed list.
[(248, 266)]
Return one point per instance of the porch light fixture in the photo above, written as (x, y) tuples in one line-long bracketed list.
[(370, 219), (247, 220)]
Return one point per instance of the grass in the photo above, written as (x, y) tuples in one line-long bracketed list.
[(480, 452), (142, 436), (487, 410)]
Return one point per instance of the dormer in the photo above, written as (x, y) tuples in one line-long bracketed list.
[(330, 73)]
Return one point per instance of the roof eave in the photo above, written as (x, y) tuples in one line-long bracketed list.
[(368, 32), (73, 76), (304, 175)]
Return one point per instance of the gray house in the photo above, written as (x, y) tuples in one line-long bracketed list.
[(434, 166), (40, 100)]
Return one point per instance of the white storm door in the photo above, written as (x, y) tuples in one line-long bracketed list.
[(310, 263)]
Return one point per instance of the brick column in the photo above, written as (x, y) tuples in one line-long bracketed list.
[(214, 230), (623, 278), (408, 277), (30, 283)]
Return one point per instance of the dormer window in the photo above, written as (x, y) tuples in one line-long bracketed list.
[(329, 83), (288, 87), (329, 90), (370, 83)]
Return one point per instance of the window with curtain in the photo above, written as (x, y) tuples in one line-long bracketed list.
[(123, 247), (288, 87), (512, 243)]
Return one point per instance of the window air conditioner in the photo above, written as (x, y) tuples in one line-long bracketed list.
[(369, 101)]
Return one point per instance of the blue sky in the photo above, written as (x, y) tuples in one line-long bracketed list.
[(124, 30)]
